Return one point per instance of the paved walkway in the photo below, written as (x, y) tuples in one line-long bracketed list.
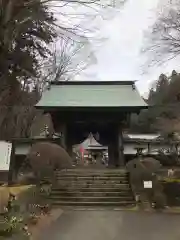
[(114, 225)]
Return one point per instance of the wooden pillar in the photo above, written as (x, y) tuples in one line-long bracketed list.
[(111, 161), (118, 148), (113, 146), (66, 138), (121, 159), (148, 148), (69, 141), (62, 129)]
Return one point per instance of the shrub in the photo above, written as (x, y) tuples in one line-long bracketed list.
[(141, 170), (12, 223), (45, 157)]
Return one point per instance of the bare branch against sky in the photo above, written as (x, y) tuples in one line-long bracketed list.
[(77, 28), (69, 59), (163, 41), (77, 17)]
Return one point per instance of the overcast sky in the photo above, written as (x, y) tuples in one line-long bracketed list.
[(119, 56)]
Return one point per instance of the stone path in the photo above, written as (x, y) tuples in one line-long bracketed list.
[(114, 225)]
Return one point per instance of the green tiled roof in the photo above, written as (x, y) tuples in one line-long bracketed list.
[(98, 95)]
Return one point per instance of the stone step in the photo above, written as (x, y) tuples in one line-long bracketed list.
[(81, 181), (90, 177), (93, 189), (84, 204), (93, 185), (93, 170), (91, 174), (85, 173), (91, 194), (91, 198)]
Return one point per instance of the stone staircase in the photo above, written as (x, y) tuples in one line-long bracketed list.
[(85, 187)]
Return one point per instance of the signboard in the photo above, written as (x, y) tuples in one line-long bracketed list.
[(147, 184), (5, 155)]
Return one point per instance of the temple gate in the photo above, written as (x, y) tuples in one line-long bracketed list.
[(104, 107)]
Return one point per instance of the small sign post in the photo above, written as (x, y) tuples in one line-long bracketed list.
[(5, 155), (148, 184)]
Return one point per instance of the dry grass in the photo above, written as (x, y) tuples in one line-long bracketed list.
[(28, 199), (5, 191), (4, 195), (169, 180)]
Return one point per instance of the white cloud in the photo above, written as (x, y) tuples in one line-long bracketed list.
[(119, 57)]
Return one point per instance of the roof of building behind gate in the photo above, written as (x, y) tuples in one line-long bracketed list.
[(92, 94)]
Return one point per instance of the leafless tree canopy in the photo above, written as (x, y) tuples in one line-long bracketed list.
[(28, 29), (163, 41), (69, 59)]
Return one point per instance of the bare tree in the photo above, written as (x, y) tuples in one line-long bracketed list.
[(163, 41), (27, 29), (69, 59)]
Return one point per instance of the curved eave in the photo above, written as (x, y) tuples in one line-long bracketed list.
[(89, 109), (94, 83)]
